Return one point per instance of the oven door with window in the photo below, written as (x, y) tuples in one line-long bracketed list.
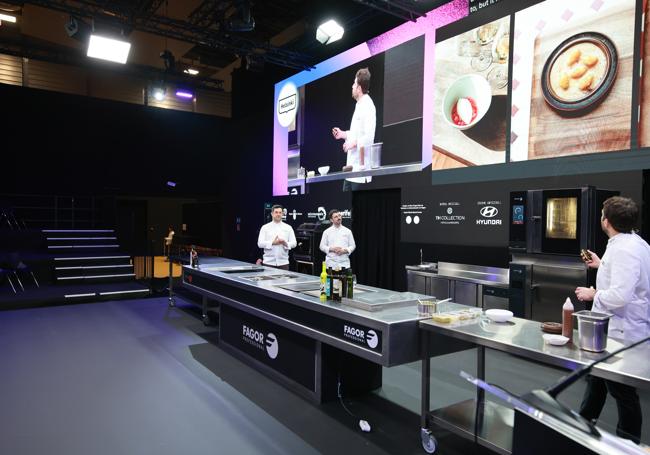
[(561, 221)]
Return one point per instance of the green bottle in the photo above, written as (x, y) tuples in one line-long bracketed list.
[(323, 283), (350, 283)]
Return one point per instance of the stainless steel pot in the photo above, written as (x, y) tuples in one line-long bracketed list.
[(592, 330)]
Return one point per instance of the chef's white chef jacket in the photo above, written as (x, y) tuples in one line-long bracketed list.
[(623, 286), (276, 254), (362, 130), (341, 237)]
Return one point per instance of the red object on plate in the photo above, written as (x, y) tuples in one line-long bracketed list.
[(456, 118)]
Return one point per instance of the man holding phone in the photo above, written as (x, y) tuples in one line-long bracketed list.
[(622, 290)]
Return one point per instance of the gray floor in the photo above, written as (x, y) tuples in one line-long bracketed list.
[(135, 377)]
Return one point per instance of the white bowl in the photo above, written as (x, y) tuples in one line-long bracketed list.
[(497, 315), (323, 170), (557, 340), (471, 85)]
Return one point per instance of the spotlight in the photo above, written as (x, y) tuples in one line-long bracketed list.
[(329, 32), (7, 18), (159, 93), (191, 71), (109, 49), (78, 29), (171, 184)]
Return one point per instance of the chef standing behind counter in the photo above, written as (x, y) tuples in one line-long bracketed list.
[(276, 239), (337, 242)]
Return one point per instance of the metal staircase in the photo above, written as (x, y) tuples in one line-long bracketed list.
[(91, 260)]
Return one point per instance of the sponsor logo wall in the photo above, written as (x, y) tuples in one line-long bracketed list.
[(456, 215)]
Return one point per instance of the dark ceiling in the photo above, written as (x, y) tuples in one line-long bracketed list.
[(207, 34)]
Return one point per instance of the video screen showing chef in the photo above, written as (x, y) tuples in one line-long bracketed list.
[(276, 239), (337, 242), (361, 133)]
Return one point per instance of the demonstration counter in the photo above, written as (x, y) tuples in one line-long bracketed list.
[(274, 320)]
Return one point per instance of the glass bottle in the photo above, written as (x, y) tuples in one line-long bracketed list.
[(323, 281)]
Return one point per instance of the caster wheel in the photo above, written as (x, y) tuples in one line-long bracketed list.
[(429, 442), (172, 303)]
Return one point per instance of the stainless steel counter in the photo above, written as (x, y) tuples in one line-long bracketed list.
[(490, 276), (396, 324), (523, 338), (382, 170)]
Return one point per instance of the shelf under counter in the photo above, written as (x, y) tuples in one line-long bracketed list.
[(494, 429)]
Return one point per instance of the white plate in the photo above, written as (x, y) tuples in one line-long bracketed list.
[(557, 340), (497, 315)]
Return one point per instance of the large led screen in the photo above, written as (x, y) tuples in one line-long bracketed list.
[(326, 130), (572, 78)]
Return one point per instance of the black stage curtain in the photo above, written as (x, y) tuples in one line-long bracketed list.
[(376, 228)]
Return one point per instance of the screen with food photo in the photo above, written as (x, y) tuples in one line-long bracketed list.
[(470, 97), (572, 78), (360, 115)]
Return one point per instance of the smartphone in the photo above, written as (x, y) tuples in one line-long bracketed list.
[(585, 255)]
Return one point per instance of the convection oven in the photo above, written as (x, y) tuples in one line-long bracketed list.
[(548, 228)]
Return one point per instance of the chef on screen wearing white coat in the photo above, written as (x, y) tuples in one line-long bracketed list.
[(276, 239), (337, 242), (623, 290)]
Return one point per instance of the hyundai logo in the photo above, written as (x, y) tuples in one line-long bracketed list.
[(489, 211)]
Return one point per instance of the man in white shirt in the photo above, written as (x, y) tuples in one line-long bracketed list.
[(362, 130), (276, 239), (623, 290), (337, 242)]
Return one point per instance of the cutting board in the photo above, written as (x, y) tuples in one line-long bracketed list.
[(607, 126), (644, 127), (484, 143)]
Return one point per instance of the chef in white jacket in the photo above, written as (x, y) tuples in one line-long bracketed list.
[(362, 130), (276, 239), (622, 290), (337, 242)]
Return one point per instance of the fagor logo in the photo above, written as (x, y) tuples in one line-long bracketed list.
[(489, 211), (372, 339), (256, 338), (272, 345)]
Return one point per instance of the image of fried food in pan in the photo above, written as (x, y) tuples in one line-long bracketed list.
[(579, 72)]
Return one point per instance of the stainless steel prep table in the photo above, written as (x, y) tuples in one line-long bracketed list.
[(486, 287), (330, 336), (487, 422)]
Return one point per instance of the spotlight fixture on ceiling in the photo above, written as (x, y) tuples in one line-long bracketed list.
[(7, 18), (111, 49), (329, 32), (78, 29), (243, 21), (191, 71)]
